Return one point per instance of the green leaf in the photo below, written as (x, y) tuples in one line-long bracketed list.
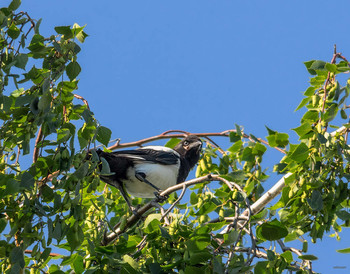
[(45, 101), (12, 187), (305, 246), (261, 268), (37, 26), (75, 237), (27, 181), (310, 91), (73, 69), (259, 149), (79, 33), (300, 154), (237, 175), (21, 60), (103, 135), (288, 256), (271, 256), (316, 201), (200, 257), (85, 134), (82, 171), (321, 138), (172, 142), (238, 130), (37, 47), (331, 67), (231, 237), (270, 131), (45, 254), (206, 208), (271, 231), (344, 250), (310, 116), (151, 217), (330, 113), (249, 187), (14, 5), (236, 147), (343, 114), (303, 103), (278, 140), (63, 135), (314, 65), (17, 256), (64, 30), (78, 264), (343, 214), (3, 223), (131, 262), (234, 137), (308, 257), (47, 193), (303, 129), (247, 154)]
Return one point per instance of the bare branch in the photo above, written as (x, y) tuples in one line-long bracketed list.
[(51, 254), (81, 98), (37, 141)]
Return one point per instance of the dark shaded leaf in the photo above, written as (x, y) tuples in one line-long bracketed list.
[(343, 214), (27, 181), (308, 257), (64, 30), (237, 175), (73, 69), (234, 137), (103, 135), (17, 256), (316, 201), (14, 5), (21, 60), (271, 231)]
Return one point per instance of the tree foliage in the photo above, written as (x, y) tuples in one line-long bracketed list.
[(57, 216)]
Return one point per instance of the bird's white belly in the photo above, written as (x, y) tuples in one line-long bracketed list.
[(162, 176)]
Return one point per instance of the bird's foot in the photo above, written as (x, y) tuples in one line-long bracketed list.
[(160, 198), (134, 210)]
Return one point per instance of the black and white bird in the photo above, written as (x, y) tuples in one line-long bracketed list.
[(145, 171)]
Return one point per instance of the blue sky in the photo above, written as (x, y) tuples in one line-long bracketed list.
[(202, 66)]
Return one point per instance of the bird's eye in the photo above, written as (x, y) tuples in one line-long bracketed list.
[(186, 143)]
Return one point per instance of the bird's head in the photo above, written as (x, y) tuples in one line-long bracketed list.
[(190, 148)]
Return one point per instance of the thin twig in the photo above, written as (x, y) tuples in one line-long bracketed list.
[(51, 254), (175, 203), (37, 141), (84, 100)]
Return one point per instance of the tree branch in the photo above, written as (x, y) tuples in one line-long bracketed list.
[(135, 217), (84, 100), (51, 254), (166, 135), (37, 141)]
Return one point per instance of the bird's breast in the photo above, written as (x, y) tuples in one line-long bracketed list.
[(162, 176)]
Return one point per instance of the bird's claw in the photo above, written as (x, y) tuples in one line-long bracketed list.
[(134, 210), (160, 198)]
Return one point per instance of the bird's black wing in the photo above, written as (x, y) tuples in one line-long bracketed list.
[(150, 155)]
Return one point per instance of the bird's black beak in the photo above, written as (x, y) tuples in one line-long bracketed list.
[(198, 144)]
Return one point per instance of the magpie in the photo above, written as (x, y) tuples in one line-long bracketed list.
[(145, 171)]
